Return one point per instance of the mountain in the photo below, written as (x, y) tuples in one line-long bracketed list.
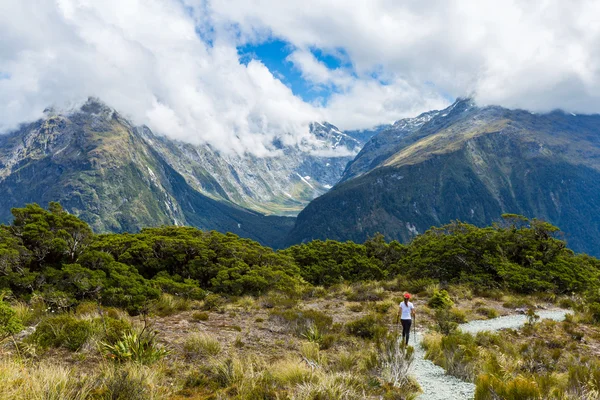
[(468, 163), (104, 170), (280, 184)]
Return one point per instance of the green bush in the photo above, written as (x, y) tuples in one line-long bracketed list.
[(10, 324), (440, 300), (213, 301), (114, 329), (200, 316), (419, 285), (367, 327), (445, 323), (62, 331), (487, 312)]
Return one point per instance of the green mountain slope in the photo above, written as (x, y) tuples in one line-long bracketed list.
[(100, 169), (471, 164)]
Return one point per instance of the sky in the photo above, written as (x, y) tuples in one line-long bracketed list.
[(239, 73)]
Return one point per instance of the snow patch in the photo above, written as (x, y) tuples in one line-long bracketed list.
[(412, 229), (305, 181)]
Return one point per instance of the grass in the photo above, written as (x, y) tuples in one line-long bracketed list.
[(168, 304), (49, 380), (318, 345), (202, 344)]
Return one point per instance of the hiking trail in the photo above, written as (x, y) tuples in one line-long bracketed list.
[(436, 384)]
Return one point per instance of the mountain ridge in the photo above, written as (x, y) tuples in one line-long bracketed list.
[(473, 164)]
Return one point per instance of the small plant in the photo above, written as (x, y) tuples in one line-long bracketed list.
[(313, 334), (440, 300), (200, 316), (141, 347), (356, 307), (311, 354), (487, 312), (168, 304), (383, 307), (247, 303), (532, 317), (201, 344), (395, 360)]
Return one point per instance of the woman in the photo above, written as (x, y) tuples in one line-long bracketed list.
[(407, 312)]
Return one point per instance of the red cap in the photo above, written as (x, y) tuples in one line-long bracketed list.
[(407, 295)]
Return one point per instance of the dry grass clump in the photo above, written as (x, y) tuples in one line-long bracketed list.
[(201, 344), (167, 304), (48, 380)]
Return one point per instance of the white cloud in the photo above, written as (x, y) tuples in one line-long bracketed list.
[(151, 60), (146, 60), (317, 72), (539, 54)]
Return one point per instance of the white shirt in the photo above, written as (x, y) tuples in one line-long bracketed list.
[(406, 309)]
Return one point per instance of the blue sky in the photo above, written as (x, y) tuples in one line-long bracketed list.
[(274, 53)]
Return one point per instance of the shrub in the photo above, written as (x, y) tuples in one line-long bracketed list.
[(419, 285), (365, 291), (490, 387), (356, 307), (394, 360), (516, 302), (457, 353), (10, 324), (367, 327), (383, 307), (278, 300), (213, 301), (458, 316), (487, 312), (440, 300), (201, 344), (299, 321), (114, 329), (200, 316), (87, 308), (311, 353), (444, 321), (62, 331)]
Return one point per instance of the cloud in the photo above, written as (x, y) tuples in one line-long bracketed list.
[(174, 65), (147, 60), (537, 54)]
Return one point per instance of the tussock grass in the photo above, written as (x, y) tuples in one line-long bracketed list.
[(48, 380), (202, 344), (167, 304)]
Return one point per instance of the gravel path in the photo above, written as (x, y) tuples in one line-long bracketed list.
[(436, 384)]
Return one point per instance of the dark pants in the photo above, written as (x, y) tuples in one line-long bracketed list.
[(406, 323)]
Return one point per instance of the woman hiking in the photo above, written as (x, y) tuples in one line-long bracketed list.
[(407, 312)]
